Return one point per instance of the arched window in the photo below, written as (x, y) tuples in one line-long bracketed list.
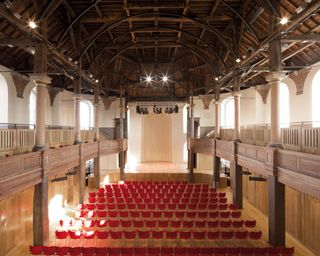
[(86, 117), (315, 92), (227, 113), (185, 119), (3, 100), (185, 152), (284, 106), (32, 107)]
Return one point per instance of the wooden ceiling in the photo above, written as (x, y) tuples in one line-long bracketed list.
[(194, 42)]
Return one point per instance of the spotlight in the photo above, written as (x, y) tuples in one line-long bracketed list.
[(238, 60), (90, 75), (97, 80), (284, 21), (32, 24), (216, 78), (164, 79), (148, 79)]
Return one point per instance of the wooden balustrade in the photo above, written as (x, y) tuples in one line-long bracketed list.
[(17, 141), (203, 145)]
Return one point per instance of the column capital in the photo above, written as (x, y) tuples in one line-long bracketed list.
[(77, 98), (236, 94), (217, 102), (40, 78), (275, 77)]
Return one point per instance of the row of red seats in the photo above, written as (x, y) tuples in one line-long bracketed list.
[(156, 194), (160, 207), (159, 182), (161, 214), (157, 251), (161, 224), (178, 188), (153, 234), (155, 200)]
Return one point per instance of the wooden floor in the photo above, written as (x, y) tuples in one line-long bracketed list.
[(249, 211)]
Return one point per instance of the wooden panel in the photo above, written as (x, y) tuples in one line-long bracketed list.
[(16, 220), (19, 172), (300, 170), (89, 150), (111, 146), (225, 149), (204, 146), (60, 159)]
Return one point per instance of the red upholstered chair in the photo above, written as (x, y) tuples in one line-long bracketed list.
[(92, 200), (237, 223), (161, 207), (191, 215), (91, 207), (288, 251), (62, 251), (236, 214), (225, 224), (49, 250), (213, 215), (61, 237), (134, 214), (121, 206), (145, 214), (221, 194), (114, 223), (167, 251), (127, 251), (75, 238), (141, 206), (102, 214), (226, 234), (185, 235), (172, 235), (131, 206), (261, 250), (74, 251), (202, 206), (182, 206), (138, 224), (100, 251), (36, 250), (88, 238), (200, 224), (255, 235), (163, 224), (246, 251), (175, 224), (110, 200), (199, 235), (154, 251), (213, 235), (113, 214), (225, 214), (101, 223), (222, 200), (223, 206), (114, 251), (202, 215), (250, 223), (172, 206), (111, 206), (187, 224), (123, 214), (180, 251), (194, 251), (151, 223), (220, 251), (157, 214), (168, 214), (241, 234), (213, 224), (92, 194), (140, 251), (125, 223), (213, 199)]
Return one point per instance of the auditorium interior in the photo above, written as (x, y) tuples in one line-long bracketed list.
[(160, 127)]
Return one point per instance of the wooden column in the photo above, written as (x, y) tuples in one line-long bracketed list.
[(40, 213), (191, 154), (191, 118), (217, 119), (237, 180), (96, 164), (191, 157), (276, 204), (236, 96), (81, 175), (122, 153), (216, 168)]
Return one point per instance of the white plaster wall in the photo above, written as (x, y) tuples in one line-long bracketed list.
[(205, 162), (107, 116), (134, 136), (206, 115), (109, 162)]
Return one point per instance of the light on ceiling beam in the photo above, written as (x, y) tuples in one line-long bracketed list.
[(238, 60), (164, 78), (32, 24), (216, 78), (97, 80), (148, 79), (284, 21)]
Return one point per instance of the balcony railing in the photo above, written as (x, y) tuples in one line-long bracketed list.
[(16, 139), (301, 137)]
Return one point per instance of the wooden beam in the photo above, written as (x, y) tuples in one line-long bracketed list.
[(308, 37)]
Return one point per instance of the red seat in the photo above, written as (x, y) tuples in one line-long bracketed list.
[(125, 223), (114, 251), (288, 251), (112, 214), (151, 224), (237, 223), (145, 214), (213, 206), (92, 194), (185, 235), (36, 250), (194, 251), (101, 223), (199, 235), (101, 206), (168, 214), (222, 200), (74, 251), (92, 200), (175, 224), (102, 234), (114, 223), (138, 223), (225, 214), (143, 234), (140, 251), (161, 206), (127, 251), (213, 224), (255, 235), (225, 224), (202, 215), (49, 250), (163, 223), (100, 251), (157, 234), (250, 223), (123, 214), (61, 234), (116, 234), (135, 214), (62, 251), (191, 215), (223, 206), (241, 234), (200, 224), (154, 251), (212, 235), (235, 214), (187, 224), (102, 214), (226, 234), (202, 206), (129, 234)]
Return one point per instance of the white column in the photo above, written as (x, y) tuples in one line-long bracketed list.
[(274, 80), (77, 133), (41, 81), (236, 96), (191, 118)]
